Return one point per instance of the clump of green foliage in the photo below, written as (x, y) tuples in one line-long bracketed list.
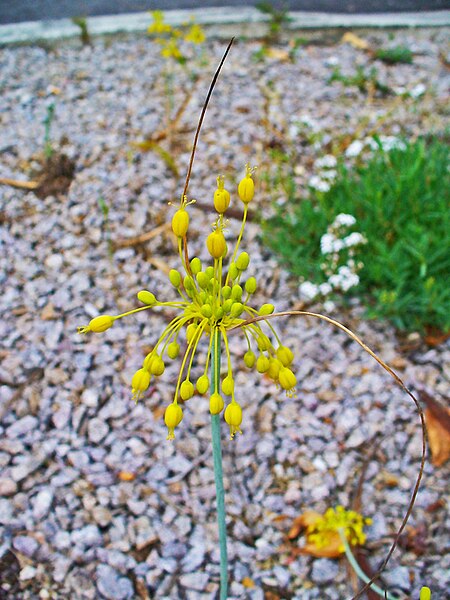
[(365, 81), (81, 23), (400, 202), (393, 56), (279, 18)]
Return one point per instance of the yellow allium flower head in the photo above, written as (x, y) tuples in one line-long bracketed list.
[(323, 531), (195, 35), (158, 26), (212, 299)]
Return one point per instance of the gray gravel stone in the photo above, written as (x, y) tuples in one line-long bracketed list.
[(111, 585), (324, 570), (8, 487), (25, 545), (22, 426), (42, 503)]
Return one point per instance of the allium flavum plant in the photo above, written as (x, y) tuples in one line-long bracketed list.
[(212, 300)]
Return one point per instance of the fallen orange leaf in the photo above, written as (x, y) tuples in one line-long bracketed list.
[(309, 517), (437, 419)]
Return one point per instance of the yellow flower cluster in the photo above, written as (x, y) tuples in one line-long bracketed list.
[(323, 531), (169, 37), (212, 301)]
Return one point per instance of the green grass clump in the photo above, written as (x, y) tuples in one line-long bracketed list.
[(400, 200), (393, 56)]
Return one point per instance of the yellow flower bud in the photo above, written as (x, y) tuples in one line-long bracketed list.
[(180, 222), (139, 383), (266, 309), (274, 369), (216, 404), (262, 364), (228, 385), (233, 416), (236, 309), (250, 285), (242, 261), (246, 188), (264, 343), (186, 390), (287, 380), (236, 292), (425, 593), (206, 310), (175, 278), (196, 265), (202, 280), (146, 297), (216, 244), (147, 364), (98, 324), (172, 418), (285, 355), (173, 350), (233, 271), (209, 272), (202, 384), (249, 359), (157, 366), (226, 292), (221, 197)]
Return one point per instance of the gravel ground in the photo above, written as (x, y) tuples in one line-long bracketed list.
[(94, 503)]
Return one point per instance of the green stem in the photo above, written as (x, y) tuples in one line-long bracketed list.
[(355, 566), (218, 473)]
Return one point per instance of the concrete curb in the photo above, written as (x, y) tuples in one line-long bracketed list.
[(245, 20)]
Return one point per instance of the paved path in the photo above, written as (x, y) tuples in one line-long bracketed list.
[(17, 11)]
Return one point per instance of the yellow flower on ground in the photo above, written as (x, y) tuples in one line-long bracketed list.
[(212, 300), (322, 531)]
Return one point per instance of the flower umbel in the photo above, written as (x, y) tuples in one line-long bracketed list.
[(324, 531), (213, 299)]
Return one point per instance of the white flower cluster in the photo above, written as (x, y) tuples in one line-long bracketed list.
[(338, 248), (388, 142), (327, 173)]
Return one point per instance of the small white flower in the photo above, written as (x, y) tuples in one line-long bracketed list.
[(327, 243), (319, 184), (308, 290), (326, 162), (329, 306), (331, 174), (389, 142), (344, 220), (418, 90), (354, 149), (325, 288), (354, 239)]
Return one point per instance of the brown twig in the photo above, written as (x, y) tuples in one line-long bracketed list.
[(140, 239), (394, 375), (21, 185)]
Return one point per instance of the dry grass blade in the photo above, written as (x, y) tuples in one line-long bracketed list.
[(394, 375)]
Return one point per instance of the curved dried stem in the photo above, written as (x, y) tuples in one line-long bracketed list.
[(394, 375), (194, 145)]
